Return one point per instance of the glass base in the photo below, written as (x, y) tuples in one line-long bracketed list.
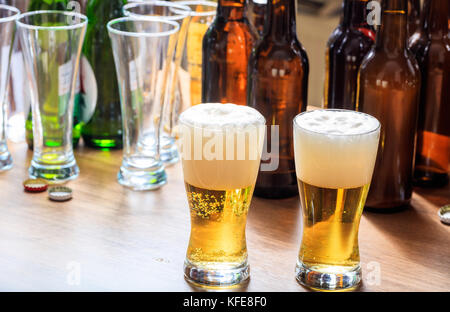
[(60, 173), (6, 161), (220, 275), (107, 142), (328, 278), (142, 179), (169, 151), (170, 155)]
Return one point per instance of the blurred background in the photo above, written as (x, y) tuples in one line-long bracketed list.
[(316, 20)]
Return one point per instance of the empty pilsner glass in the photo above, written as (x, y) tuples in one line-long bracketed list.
[(8, 16), (143, 51), (178, 13), (51, 43), (19, 99), (335, 153)]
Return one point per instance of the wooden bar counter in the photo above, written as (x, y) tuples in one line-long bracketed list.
[(109, 238)]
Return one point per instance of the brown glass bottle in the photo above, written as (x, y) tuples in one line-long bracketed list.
[(226, 49), (278, 84), (388, 89), (346, 48), (335, 35), (433, 134), (337, 32)]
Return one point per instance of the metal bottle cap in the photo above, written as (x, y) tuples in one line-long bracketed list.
[(60, 193), (444, 214), (35, 185)]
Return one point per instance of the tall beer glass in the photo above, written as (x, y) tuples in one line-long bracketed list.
[(335, 153), (8, 16), (180, 14), (51, 43), (18, 97), (143, 50), (221, 147)]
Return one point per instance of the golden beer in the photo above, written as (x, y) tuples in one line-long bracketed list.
[(218, 220), (221, 147), (335, 154), (330, 228)]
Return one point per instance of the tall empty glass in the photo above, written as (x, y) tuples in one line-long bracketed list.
[(178, 13), (8, 16), (51, 43), (335, 153), (19, 100), (143, 51)]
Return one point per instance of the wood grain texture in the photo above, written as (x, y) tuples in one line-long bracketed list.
[(136, 241)]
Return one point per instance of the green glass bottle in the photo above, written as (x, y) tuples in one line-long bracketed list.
[(103, 125), (60, 5), (36, 5)]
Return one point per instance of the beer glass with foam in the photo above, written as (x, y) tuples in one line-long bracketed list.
[(335, 153), (221, 147)]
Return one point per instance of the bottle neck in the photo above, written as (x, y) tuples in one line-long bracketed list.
[(231, 9), (437, 19), (392, 36), (281, 24), (413, 13), (355, 13), (424, 15)]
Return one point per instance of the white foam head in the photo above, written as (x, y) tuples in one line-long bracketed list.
[(335, 148), (337, 122), (216, 116), (221, 145)]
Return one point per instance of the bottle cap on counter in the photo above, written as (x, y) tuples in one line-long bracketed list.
[(35, 185), (444, 214), (60, 193)]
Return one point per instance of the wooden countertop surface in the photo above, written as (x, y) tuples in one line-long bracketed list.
[(109, 238)]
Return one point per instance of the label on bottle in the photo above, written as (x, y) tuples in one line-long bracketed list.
[(78, 100), (133, 78), (368, 33), (90, 90), (64, 78), (78, 83)]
